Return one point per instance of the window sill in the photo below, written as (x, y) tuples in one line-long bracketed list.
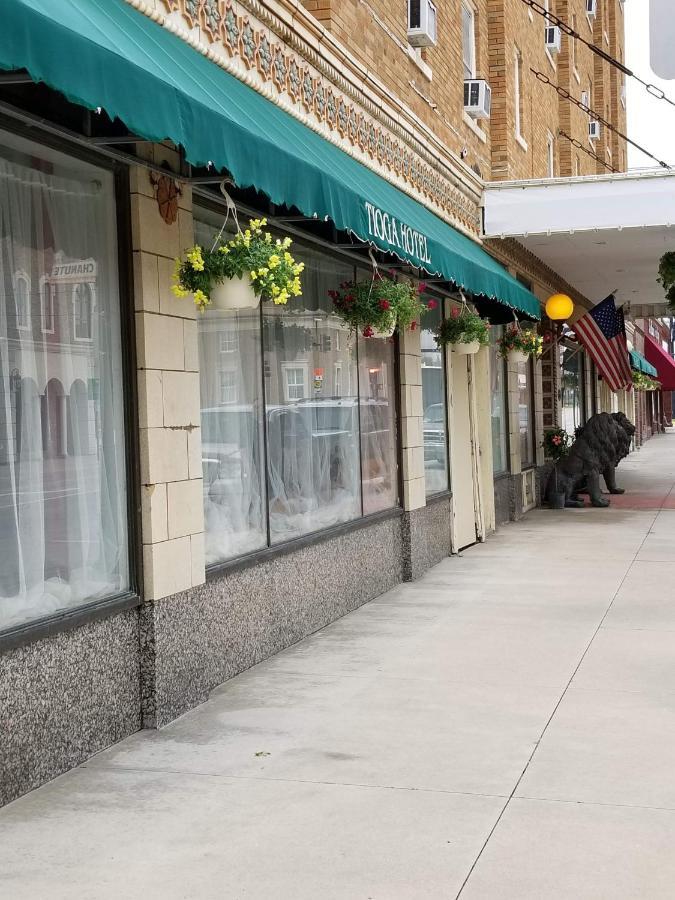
[(48, 626), (438, 498), (522, 143), (217, 570), (501, 476), (415, 55), (477, 130)]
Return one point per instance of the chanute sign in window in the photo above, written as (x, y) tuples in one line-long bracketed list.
[(103, 53)]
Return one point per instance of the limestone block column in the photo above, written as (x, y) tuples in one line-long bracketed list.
[(412, 439), (168, 397)]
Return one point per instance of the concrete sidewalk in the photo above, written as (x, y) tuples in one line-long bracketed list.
[(503, 728)]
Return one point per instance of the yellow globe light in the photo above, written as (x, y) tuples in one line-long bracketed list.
[(559, 306)]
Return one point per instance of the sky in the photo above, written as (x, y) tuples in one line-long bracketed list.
[(651, 122)]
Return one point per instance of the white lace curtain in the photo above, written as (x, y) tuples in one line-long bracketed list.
[(62, 481)]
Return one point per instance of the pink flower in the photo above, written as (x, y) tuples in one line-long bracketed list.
[(432, 304), (455, 313), (384, 304), (368, 331), (557, 440), (421, 287)]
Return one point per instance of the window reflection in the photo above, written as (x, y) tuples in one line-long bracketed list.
[(572, 387), (498, 404), (435, 418), (526, 413)]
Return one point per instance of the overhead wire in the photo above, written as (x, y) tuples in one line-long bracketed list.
[(580, 146), (565, 94)]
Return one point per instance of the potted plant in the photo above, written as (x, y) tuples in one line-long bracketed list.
[(380, 305), (464, 330), (642, 382), (518, 344), (556, 446), (236, 274)]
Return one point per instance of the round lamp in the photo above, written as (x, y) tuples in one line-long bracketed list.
[(559, 306)]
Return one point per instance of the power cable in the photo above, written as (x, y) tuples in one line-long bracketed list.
[(570, 32), (565, 94), (575, 143)]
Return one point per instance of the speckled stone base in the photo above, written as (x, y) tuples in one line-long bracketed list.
[(426, 538), (503, 499), (64, 698), (193, 641)]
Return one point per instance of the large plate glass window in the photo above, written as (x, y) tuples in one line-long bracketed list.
[(298, 415), (63, 508), (434, 406), (311, 391), (498, 405)]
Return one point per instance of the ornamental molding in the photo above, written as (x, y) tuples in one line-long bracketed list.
[(511, 253), (263, 49)]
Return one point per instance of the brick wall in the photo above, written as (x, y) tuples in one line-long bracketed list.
[(430, 81)]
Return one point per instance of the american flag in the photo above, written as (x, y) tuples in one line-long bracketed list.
[(602, 331)]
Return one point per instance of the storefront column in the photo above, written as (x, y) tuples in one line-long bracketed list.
[(168, 397), (481, 378)]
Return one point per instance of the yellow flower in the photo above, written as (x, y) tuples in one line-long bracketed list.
[(179, 291), (268, 238), (264, 270), (253, 275), (224, 249), (288, 258), (286, 243), (201, 299), (275, 290), (274, 261), (195, 258)]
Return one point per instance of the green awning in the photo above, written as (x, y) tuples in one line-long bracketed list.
[(104, 53), (640, 364)]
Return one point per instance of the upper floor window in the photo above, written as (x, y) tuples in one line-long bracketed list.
[(468, 41), (22, 300), (47, 291), (550, 154), (517, 98)]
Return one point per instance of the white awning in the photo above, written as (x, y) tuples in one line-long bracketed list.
[(599, 233)]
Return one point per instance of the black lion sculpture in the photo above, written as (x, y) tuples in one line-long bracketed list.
[(599, 447)]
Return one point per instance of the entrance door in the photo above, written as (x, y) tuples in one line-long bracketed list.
[(463, 502)]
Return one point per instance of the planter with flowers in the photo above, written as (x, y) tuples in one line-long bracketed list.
[(464, 330), (236, 274), (519, 344), (642, 382), (379, 306), (556, 446)]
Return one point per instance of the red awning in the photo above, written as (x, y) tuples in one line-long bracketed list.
[(664, 363)]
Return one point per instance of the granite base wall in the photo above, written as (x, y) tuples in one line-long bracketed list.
[(194, 641), (503, 499), (66, 697), (426, 537)]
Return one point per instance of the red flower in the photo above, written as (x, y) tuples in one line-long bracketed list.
[(455, 313), (349, 298), (384, 304), (421, 287), (413, 326), (368, 331), (333, 295), (432, 304)]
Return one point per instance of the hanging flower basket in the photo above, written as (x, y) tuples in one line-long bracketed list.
[(234, 293), (464, 331), (378, 306), (236, 274), (519, 344), (642, 382)]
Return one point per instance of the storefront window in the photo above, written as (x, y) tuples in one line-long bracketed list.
[(63, 516), (325, 450), (435, 422), (498, 405), (572, 387), (526, 413), (312, 417)]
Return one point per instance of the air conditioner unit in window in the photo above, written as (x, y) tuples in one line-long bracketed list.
[(594, 131), (477, 98), (553, 38), (421, 23), (591, 8)]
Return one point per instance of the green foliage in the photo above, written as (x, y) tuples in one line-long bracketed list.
[(253, 253), (380, 304), (667, 276), (524, 339), (642, 382), (463, 327), (556, 443)]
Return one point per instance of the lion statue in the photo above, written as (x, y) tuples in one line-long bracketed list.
[(599, 447)]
